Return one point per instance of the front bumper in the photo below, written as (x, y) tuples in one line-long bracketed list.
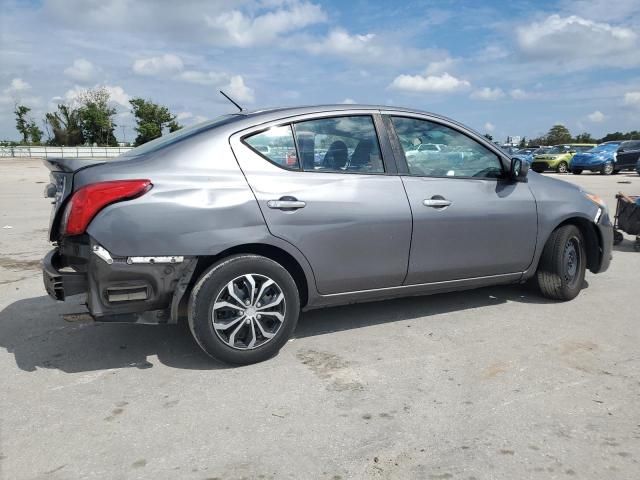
[(59, 284), (605, 231)]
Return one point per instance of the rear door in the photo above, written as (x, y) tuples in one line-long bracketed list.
[(325, 185), (467, 221)]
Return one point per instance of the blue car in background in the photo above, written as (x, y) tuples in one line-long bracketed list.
[(526, 154), (601, 158)]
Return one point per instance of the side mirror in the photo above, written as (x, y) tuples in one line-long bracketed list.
[(519, 170)]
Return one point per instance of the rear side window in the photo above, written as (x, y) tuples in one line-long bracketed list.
[(276, 145), (339, 145), (449, 153)]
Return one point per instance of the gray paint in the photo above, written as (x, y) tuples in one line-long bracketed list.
[(353, 239)]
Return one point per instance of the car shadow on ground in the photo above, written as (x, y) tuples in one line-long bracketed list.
[(34, 331)]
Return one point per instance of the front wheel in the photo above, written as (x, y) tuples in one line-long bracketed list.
[(563, 167), (576, 171), (244, 309), (607, 169), (562, 265)]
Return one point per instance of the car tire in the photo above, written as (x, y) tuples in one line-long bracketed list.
[(563, 167), (617, 237), (607, 169), (577, 171), (562, 266), (235, 332)]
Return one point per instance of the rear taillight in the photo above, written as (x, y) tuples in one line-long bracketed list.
[(87, 201)]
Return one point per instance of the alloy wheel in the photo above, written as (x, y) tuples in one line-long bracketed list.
[(563, 167), (248, 311)]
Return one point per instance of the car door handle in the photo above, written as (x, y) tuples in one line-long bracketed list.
[(286, 204), (436, 202)]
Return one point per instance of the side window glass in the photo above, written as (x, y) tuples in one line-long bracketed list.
[(276, 145), (434, 150), (340, 144)]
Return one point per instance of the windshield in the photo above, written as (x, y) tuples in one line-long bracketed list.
[(558, 149), (178, 135), (605, 147)]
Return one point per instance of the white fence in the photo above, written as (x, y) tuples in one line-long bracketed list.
[(64, 152)]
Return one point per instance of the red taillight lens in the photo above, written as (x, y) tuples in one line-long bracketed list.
[(89, 200)]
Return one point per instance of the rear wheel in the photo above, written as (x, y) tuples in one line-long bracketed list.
[(244, 309), (562, 266), (607, 169), (576, 171), (563, 167)]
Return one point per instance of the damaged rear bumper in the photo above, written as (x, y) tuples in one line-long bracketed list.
[(61, 284), (117, 288)]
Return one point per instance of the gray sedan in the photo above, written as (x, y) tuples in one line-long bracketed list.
[(240, 223)]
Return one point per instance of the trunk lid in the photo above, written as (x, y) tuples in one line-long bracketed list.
[(61, 175)]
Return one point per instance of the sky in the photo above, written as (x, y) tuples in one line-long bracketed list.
[(501, 67)]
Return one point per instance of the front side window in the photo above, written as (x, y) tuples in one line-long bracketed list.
[(339, 144), (455, 155), (276, 144)]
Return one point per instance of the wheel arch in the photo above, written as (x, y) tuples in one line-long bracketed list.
[(592, 240), (277, 254)]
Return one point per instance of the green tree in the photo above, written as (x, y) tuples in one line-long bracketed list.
[(96, 117), (22, 121), (66, 126), (523, 142), (35, 134), (151, 119), (585, 137), (558, 134)]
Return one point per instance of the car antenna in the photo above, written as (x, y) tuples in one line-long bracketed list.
[(231, 100)]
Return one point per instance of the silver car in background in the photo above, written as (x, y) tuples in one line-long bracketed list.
[(240, 223)]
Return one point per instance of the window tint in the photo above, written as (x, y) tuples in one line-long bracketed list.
[(277, 145), (456, 155), (340, 144)]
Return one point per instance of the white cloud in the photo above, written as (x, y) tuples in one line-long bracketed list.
[(349, 101), (444, 83), (82, 70), (199, 119), (203, 78), (579, 42), (632, 98), (596, 117), (487, 93), (17, 85), (167, 63), (237, 90), (118, 95), (340, 42), (239, 29), (489, 127), (440, 66), (518, 94)]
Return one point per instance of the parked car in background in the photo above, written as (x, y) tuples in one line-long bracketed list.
[(628, 155), (601, 158), (203, 224), (425, 148), (558, 158), (527, 154)]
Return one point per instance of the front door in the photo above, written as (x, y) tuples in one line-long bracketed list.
[(468, 221), (322, 185)]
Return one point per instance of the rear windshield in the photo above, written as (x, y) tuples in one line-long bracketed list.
[(179, 135)]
